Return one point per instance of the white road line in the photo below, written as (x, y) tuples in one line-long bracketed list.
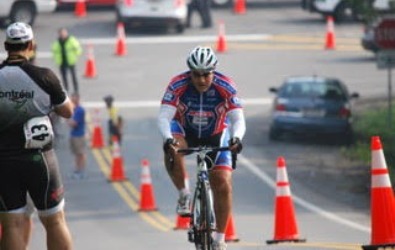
[(309, 206), (178, 39), (155, 104)]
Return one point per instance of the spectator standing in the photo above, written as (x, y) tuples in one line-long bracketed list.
[(115, 121), (203, 8), (77, 137), (28, 163), (66, 52)]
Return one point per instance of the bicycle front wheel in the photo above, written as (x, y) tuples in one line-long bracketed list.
[(206, 217)]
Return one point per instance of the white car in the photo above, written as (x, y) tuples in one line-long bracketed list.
[(142, 13), (342, 10), (25, 10)]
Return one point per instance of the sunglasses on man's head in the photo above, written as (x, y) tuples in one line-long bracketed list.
[(200, 74)]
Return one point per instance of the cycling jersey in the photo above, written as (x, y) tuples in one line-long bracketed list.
[(26, 91), (201, 114)]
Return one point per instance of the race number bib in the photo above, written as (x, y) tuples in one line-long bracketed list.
[(38, 132)]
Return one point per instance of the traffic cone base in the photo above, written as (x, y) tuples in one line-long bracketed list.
[(90, 68), (230, 232)]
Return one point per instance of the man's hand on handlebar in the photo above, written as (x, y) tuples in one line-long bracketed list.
[(170, 146), (235, 145)]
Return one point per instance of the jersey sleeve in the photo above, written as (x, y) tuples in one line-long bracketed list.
[(49, 82)]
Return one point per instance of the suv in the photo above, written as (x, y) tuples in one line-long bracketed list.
[(24, 10), (343, 10)]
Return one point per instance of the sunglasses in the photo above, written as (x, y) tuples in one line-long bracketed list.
[(198, 74)]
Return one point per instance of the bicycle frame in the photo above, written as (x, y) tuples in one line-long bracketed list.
[(203, 221)]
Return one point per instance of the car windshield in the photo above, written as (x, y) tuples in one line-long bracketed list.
[(313, 89)]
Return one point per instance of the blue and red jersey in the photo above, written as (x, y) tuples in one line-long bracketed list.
[(202, 114)]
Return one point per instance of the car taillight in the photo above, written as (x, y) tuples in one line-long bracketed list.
[(128, 2), (344, 112), (279, 107), (178, 3)]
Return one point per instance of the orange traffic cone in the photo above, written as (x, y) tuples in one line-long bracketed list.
[(80, 8), (330, 33), (382, 202), (90, 67), (97, 135), (221, 42), (286, 229), (117, 170), (239, 7), (121, 40), (183, 222), (147, 200), (230, 232)]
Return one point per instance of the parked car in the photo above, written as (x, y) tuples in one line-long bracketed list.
[(312, 105), (24, 11), (343, 10), (367, 39), (138, 13)]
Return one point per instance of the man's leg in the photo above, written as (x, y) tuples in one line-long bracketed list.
[(13, 227), (221, 184), (63, 73), (58, 234), (176, 169), (74, 77)]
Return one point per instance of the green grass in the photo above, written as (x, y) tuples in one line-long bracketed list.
[(374, 122)]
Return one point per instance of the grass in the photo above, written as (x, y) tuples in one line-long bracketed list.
[(374, 121)]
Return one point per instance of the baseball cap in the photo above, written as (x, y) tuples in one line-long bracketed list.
[(18, 33)]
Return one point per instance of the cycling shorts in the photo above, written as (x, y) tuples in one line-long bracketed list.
[(219, 160), (35, 172)]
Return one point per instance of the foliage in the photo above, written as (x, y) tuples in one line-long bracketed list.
[(366, 11), (374, 122)]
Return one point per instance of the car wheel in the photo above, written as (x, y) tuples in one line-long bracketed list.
[(23, 12), (180, 28), (274, 134), (347, 138), (221, 3)]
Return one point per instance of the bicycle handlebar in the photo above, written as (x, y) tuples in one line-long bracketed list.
[(200, 149)]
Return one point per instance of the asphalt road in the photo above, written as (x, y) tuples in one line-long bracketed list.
[(274, 39)]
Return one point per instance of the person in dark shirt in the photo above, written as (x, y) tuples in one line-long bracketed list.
[(202, 7), (28, 163)]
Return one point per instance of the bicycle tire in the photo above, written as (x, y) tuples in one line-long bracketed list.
[(205, 218)]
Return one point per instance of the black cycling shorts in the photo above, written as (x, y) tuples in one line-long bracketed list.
[(31, 171)]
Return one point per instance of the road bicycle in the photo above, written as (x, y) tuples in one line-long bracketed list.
[(203, 221)]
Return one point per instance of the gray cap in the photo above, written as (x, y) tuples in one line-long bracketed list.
[(19, 33)]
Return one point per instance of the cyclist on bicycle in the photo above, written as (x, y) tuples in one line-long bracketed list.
[(200, 107)]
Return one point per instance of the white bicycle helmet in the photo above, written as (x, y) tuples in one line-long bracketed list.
[(202, 59), (18, 33)]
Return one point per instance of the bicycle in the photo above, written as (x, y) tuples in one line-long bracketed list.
[(203, 221)]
